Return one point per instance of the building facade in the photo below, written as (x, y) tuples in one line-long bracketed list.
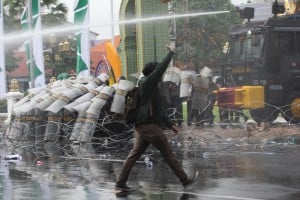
[(144, 32)]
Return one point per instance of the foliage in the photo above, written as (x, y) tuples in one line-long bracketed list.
[(3, 106), (201, 39), (56, 13), (53, 13)]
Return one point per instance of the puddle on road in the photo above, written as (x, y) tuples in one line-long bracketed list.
[(224, 174)]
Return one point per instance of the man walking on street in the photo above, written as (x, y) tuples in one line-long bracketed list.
[(150, 120)]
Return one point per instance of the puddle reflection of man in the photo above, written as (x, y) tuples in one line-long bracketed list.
[(149, 124)]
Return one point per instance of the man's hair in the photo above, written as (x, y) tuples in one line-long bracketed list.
[(149, 68)]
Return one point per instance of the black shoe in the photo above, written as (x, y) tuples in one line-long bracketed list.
[(191, 180), (123, 193), (124, 187)]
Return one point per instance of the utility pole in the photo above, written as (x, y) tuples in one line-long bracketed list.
[(112, 23), (31, 64), (186, 33), (171, 9)]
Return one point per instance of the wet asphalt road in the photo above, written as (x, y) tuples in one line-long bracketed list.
[(271, 173)]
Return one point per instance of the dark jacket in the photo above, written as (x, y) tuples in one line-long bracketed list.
[(150, 110)]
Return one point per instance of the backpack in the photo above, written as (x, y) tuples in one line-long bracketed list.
[(132, 101)]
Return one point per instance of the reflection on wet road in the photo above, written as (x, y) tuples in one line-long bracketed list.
[(244, 175)]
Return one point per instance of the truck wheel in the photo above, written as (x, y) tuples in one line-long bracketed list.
[(292, 110), (267, 114)]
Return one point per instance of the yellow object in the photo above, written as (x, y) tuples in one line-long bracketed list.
[(291, 6), (249, 97), (114, 60), (14, 86), (295, 107), (112, 79)]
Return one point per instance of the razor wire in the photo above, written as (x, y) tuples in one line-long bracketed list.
[(108, 140), (113, 139)]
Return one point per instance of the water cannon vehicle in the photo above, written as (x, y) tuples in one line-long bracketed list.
[(262, 68)]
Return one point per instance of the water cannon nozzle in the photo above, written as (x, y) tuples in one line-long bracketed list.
[(278, 8), (245, 13)]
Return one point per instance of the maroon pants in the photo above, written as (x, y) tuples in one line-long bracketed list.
[(151, 134)]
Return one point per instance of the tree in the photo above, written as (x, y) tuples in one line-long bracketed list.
[(53, 13), (201, 39)]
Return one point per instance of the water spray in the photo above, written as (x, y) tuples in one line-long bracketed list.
[(63, 29)]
